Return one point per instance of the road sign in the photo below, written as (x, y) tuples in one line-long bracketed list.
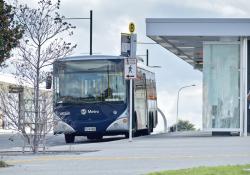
[(130, 68), (15, 89), (128, 45), (131, 27), (133, 42), (125, 44)]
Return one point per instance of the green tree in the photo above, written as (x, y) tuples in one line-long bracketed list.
[(3, 164), (10, 31), (183, 125)]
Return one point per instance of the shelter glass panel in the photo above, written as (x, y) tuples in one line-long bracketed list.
[(221, 85)]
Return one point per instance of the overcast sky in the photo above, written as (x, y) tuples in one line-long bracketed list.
[(111, 17)]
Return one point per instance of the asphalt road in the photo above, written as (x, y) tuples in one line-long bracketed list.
[(119, 156)]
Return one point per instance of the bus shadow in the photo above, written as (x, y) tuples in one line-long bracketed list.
[(59, 140), (105, 139)]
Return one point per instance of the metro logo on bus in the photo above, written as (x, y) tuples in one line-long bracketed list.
[(130, 68), (83, 111), (89, 111)]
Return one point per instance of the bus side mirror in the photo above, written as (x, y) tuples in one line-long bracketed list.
[(48, 82)]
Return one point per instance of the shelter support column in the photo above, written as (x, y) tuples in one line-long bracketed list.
[(243, 87)]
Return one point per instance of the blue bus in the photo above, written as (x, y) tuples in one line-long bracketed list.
[(91, 98)]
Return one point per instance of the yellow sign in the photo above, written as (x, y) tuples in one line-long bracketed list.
[(131, 27)]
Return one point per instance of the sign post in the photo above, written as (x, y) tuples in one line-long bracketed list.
[(130, 70), (128, 49), (19, 90), (130, 109), (130, 73)]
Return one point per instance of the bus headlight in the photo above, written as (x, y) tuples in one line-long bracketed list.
[(121, 123), (60, 127)]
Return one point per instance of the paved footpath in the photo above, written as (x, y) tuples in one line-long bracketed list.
[(118, 156)]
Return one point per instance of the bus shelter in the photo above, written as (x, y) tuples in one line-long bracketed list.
[(219, 48)]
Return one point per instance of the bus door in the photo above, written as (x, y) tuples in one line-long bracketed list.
[(140, 100)]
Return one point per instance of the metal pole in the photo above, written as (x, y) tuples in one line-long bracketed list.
[(130, 109), (176, 126), (177, 108), (242, 105), (132, 56), (244, 55), (19, 111), (91, 28), (147, 57)]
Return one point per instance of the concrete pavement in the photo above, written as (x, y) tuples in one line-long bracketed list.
[(143, 155)]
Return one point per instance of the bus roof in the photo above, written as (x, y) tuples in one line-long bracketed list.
[(101, 57), (89, 57)]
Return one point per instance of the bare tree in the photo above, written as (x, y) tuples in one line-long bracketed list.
[(41, 44), (18, 108), (9, 106)]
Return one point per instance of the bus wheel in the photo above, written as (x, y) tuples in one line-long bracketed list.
[(134, 127), (69, 138), (134, 134), (147, 131), (149, 125), (152, 123)]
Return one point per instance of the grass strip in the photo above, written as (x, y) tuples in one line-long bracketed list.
[(219, 170)]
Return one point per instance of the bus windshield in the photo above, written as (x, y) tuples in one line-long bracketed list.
[(89, 81)]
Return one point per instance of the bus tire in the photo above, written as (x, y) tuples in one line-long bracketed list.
[(149, 125), (151, 122), (69, 138), (134, 127)]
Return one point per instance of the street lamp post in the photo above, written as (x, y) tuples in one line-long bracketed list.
[(90, 29), (176, 129), (147, 55), (147, 59)]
